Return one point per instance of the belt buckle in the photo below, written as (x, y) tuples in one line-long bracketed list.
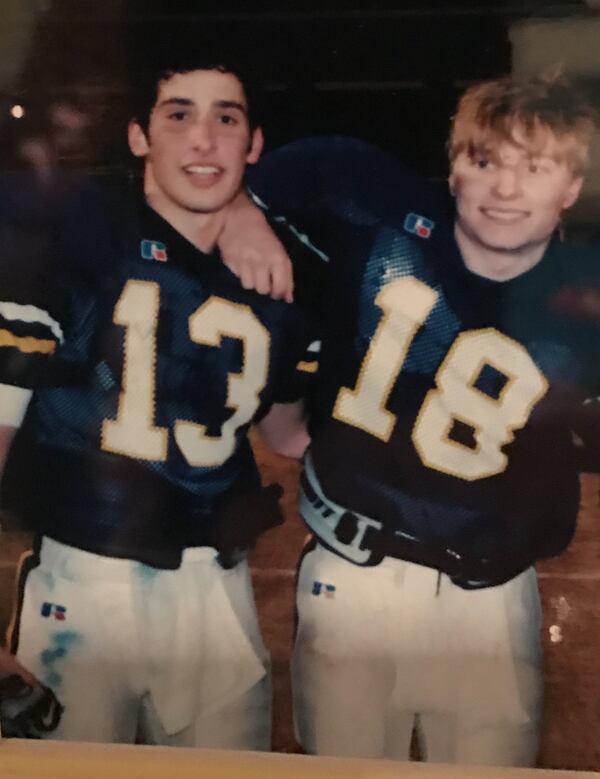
[(355, 527), (462, 572), (326, 525)]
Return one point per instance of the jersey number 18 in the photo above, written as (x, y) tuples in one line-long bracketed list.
[(406, 303)]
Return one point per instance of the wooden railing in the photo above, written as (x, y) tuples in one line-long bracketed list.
[(52, 760)]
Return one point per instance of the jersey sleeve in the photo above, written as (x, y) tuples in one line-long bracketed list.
[(53, 258), (305, 315), (576, 309), (297, 379), (299, 339), (585, 422), (317, 182), (33, 306)]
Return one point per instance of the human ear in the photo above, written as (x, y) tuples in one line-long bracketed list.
[(138, 143), (451, 182), (573, 192), (257, 141)]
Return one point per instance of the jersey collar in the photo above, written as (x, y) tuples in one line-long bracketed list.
[(161, 242)]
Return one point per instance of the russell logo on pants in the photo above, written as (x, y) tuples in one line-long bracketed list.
[(319, 588)]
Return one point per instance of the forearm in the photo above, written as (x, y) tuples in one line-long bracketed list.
[(284, 429), (334, 176), (6, 438), (252, 251), (13, 406)]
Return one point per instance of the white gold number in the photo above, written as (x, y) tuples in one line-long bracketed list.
[(208, 325), (457, 398), (406, 304), (133, 432)]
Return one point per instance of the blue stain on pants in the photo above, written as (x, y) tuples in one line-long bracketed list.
[(146, 572), (60, 645)]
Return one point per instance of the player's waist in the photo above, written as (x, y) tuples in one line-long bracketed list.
[(112, 506), (74, 563), (367, 541)]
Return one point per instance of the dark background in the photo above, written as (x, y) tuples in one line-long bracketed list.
[(389, 72)]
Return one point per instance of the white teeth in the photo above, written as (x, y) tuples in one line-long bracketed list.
[(504, 216), (204, 169)]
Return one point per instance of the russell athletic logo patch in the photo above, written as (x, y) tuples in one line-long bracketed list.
[(154, 250), (54, 610), (418, 225), (327, 589)]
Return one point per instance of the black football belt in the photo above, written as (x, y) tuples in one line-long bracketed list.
[(139, 515), (365, 541), (25, 711), (240, 518)]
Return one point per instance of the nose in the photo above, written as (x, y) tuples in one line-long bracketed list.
[(507, 183), (203, 136)]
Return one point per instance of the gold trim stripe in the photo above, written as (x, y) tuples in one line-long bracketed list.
[(308, 367), (27, 344)]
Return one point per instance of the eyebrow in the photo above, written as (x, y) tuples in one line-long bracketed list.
[(231, 104), (490, 150), (185, 101), (175, 101)]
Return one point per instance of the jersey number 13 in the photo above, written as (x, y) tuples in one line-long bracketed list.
[(134, 433)]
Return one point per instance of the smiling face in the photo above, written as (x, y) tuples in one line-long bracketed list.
[(197, 146), (509, 199)]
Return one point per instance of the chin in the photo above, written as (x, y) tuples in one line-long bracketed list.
[(204, 207), (209, 205), (504, 243)]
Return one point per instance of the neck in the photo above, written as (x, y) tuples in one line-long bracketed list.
[(200, 229), (497, 264)]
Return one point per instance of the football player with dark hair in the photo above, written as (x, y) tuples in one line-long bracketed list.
[(442, 463), (140, 362)]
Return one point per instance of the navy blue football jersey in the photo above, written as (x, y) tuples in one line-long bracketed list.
[(446, 401), (171, 360)]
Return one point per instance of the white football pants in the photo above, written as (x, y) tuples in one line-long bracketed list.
[(133, 652), (383, 649)]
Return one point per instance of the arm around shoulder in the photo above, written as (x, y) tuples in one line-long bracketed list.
[(252, 251)]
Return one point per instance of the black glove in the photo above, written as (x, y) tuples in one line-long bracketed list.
[(241, 517), (27, 711)]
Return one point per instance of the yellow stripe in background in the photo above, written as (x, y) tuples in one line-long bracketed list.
[(308, 367), (27, 344), (33, 759)]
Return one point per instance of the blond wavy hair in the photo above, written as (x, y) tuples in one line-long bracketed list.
[(527, 112)]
